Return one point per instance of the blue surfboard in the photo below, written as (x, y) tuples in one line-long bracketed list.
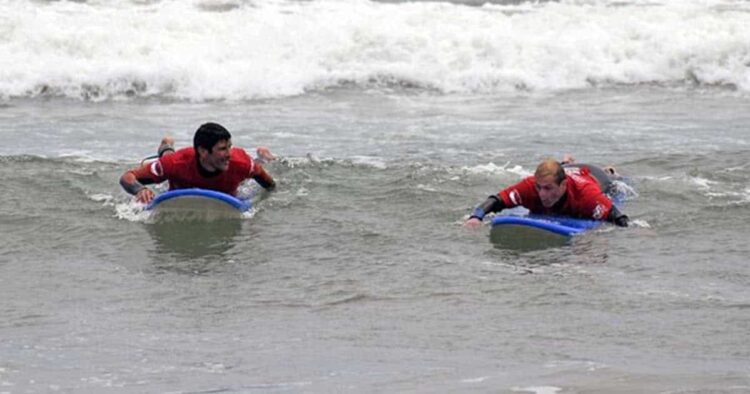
[(199, 203), (532, 230), (558, 225), (535, 232)]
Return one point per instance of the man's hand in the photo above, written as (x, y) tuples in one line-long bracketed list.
[(145, 195), (265, 154), (568, 159), (622, 221), (473, 223)]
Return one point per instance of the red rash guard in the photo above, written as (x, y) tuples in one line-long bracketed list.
[(583, 198), (182, 170)]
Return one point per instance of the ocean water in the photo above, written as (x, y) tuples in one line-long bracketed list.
[(392, 120)]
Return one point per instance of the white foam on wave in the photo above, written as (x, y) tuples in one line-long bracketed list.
[(198, 50), (624, 191), (656, 178), (492, 168), (129, 210), (427, 188), (81, 156), (703, 183), (370, 161), (475, 380), (309, 159), (730, 197), (132, 211), (375, 162), (106, 199), (537, 389)]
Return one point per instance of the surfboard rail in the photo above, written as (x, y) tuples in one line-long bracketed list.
[(240, 205), (559, 225)]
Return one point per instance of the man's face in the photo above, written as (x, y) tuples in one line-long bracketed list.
[(218, 158), (549, 191)]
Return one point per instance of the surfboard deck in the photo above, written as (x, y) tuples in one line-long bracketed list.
[(198, 204)]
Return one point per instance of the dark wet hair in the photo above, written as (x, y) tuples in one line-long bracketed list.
[(209, 134)]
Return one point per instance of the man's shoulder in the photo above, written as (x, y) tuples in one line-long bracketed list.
[(584, 188), (521, 193), (180, 155), (581, 179), (175, 161), (241, 160)]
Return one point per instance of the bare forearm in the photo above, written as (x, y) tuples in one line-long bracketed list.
[(130, 183), (264, 179)]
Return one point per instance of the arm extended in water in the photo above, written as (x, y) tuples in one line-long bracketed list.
[(491, 204), (134, 181), (617, 217), (135, 184)]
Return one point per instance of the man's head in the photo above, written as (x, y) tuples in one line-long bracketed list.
[(551, 182), (213, 144)]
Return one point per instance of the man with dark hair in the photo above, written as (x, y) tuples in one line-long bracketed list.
[(212, 163), (553, 191)]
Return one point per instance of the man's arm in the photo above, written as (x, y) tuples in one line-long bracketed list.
[(617, 217), (264, 155), (491, 204), (509, 197), (601, 208), (134, 181), (260, 175)]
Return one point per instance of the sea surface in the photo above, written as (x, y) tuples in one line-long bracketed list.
[(391, 120)]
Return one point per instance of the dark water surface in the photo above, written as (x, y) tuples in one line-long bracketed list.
[(356, 275)]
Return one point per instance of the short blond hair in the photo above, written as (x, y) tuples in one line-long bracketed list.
[(550, 167)]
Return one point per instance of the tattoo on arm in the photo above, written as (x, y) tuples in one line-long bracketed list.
[(131, 187)]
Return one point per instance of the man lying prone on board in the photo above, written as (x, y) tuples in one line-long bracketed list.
[(558, 188), (211, 163)]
